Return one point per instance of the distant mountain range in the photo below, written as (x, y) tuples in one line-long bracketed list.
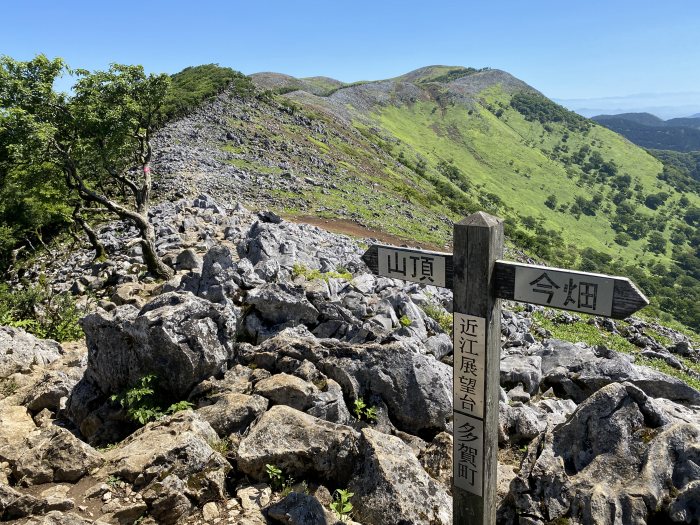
[(649, 131)]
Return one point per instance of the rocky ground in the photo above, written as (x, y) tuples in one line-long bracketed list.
[(274, 334)]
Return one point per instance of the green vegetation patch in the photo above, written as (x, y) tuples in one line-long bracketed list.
[(191, 86), (41, 311), (310, 275)]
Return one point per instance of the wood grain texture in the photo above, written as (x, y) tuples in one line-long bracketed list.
[(478, 243), (627, 298)]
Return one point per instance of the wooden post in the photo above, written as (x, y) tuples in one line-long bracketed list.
[(478, 243)]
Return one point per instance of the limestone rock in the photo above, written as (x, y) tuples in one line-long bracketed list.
[(20, 351), (176, 336), (167, 501), (50, 454), (616, 460), (525, 370), (391, 487), (233, 412), (178, 445), (298, 444), (15, 505), (416, 388), (286, 389), (301, 509), (277, 303), (577, 371)]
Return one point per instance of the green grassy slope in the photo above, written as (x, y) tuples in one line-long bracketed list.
[(515, 159), (411, 155), (573, 193)]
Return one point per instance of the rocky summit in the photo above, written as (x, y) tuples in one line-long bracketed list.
[(273, 379)]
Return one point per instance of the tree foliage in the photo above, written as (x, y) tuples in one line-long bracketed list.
[(195, 84), (87, 150), (534, 106)]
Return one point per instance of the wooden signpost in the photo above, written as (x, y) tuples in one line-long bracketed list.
[(479, 280)]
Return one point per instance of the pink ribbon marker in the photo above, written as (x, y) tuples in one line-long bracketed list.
[(146, 169)]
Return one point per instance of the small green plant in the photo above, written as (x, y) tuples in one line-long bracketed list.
[(405, 320), (341, 503), (107, 447), (443, 318), (141, 401), (222, 446), (113, 481), (275, 475), (179, 407), (363, 410)]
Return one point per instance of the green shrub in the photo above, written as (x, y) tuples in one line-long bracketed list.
[(442, 316), (142, 402), (41, 311), (363, 410)]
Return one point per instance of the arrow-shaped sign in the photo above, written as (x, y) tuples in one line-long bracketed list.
[(596, 294)]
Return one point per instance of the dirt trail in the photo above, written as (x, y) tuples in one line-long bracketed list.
[(352, 228)]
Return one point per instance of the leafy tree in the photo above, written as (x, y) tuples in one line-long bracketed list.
[(551, 202), (656, 243), (96, 142)]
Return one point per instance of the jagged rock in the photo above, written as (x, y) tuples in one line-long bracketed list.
[(47, 393), (176, 336), (577, 371), (50, 454), (15, 505), (61, 518), (188, 260), (616, 460), (57, 497), (290, 244), (217, 281), (519, 423), (416, 388), (279, 303), (233, 412), (167, 501), (124, 512), (301, 509), (254, 497), (298, 444), (285, 389), (439, 345), (391, 487), (686, 507), (330, 405), (236, 380), (178, 445), (15, 424), (210, 511), (206, 202), (524, 370), (20, 351), (437, 459), (518, 394)]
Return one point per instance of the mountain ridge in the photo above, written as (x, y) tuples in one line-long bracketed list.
[(411, 157), (649, 131)]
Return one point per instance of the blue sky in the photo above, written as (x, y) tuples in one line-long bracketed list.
[(588, 51)]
